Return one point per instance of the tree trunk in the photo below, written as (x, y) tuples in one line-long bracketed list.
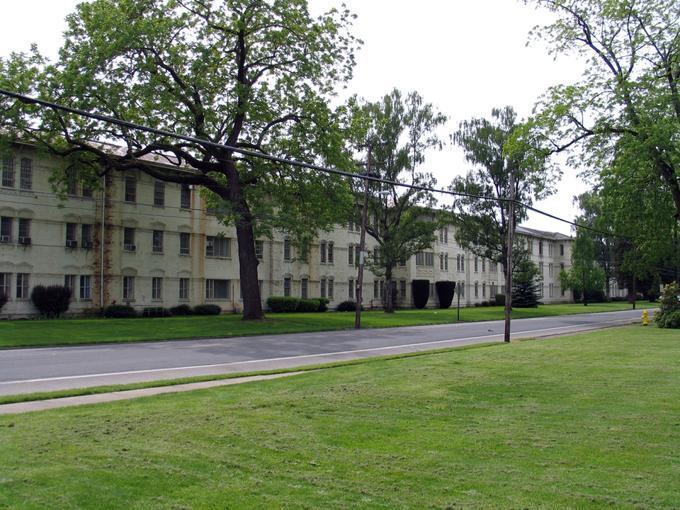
[(389, 302), (245, 237)]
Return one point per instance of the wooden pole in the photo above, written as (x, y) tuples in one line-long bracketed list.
[(508, 266), (362, 246)]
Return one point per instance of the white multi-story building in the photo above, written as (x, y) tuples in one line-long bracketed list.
[(150, 244)]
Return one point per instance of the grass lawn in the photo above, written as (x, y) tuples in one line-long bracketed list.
[(31, 333), (587, 421)]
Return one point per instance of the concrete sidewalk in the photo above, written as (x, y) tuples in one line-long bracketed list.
[(43, 405)]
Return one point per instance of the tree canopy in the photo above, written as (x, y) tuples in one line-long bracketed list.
[(251, 74), (623, 116)]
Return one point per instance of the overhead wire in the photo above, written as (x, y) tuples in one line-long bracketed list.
[(286, 161)]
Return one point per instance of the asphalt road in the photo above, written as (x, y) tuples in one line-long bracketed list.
[(48, 369)]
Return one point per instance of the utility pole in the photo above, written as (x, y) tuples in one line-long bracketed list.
[(508, 262), (362, 244)]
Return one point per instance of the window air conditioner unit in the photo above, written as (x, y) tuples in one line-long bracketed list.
[(25, 240), (87, 245), (4, 239), (130, 247), (71, 243)]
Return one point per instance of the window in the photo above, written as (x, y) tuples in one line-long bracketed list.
[(402, 262), (444, 235), (540, 248), (457, 262), (259, 250), (483, 265), (71, 181), (550, 271), (551, 290), (87, 191), (476, 265), (85, 287), (331, 290), (462, 289), (322, 251), (6, 229), (350, 255), (304, 288), (22, 285), (24, 230), (71, 235), (287, 286), (159, 194), (530, 246), (441, 261), (550, 249), (322, 287), (130, 189), (6, 284), (425, 259), (156, 288), (540, 268), (217, 289), (493, 267), (184, 288), (128, 287), (157, 241), (185, 197), (184, 243), (376, 289), (402, 289), (26, 176), (331, 255), (351, 285), (561, 250), (129, 239), (8, 172), (484, 289), (476, 290), (86, 236), (561, 266), (286, 250), (217, 247), (70, 283)]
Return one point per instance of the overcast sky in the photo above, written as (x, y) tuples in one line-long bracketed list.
[(466, 57)]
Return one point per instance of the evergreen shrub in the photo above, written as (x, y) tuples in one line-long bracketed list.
[(347, 306), (421, 293), (207, 310), (3, 300), (308, 305), (669, 313), (445, 293), (282, 304), (119, 312), (181, 310), (51, 301)]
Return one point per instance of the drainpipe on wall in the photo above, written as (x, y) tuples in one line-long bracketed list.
[(101, 246)]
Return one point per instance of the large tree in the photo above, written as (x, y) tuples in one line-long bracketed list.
[(251, 74), (625, 111), (496, 148), (399, 132)]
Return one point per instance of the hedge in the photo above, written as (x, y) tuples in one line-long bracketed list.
[(421, 293), (308, 305), (347, 306), (181, 310), (445, 292), (207, 310), (119, 312), (51, 301), (283, 304)]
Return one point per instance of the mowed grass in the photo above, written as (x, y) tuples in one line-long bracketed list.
[(587, 421), (34, 333)]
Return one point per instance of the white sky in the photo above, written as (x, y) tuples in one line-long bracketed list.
[(465, 57)]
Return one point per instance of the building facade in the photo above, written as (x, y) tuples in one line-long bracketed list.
[(147, 243)]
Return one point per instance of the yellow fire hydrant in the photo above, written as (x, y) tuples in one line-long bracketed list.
[(645, 318)]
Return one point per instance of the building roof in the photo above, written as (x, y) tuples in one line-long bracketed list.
[(555, 236)]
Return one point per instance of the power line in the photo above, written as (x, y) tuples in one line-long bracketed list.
[(300, 164)]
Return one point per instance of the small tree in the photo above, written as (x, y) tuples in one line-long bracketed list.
[(51, 301), (669, 315), (526, 283)]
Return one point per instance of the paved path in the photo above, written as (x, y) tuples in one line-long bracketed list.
[(48, 369), (56, 403)]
